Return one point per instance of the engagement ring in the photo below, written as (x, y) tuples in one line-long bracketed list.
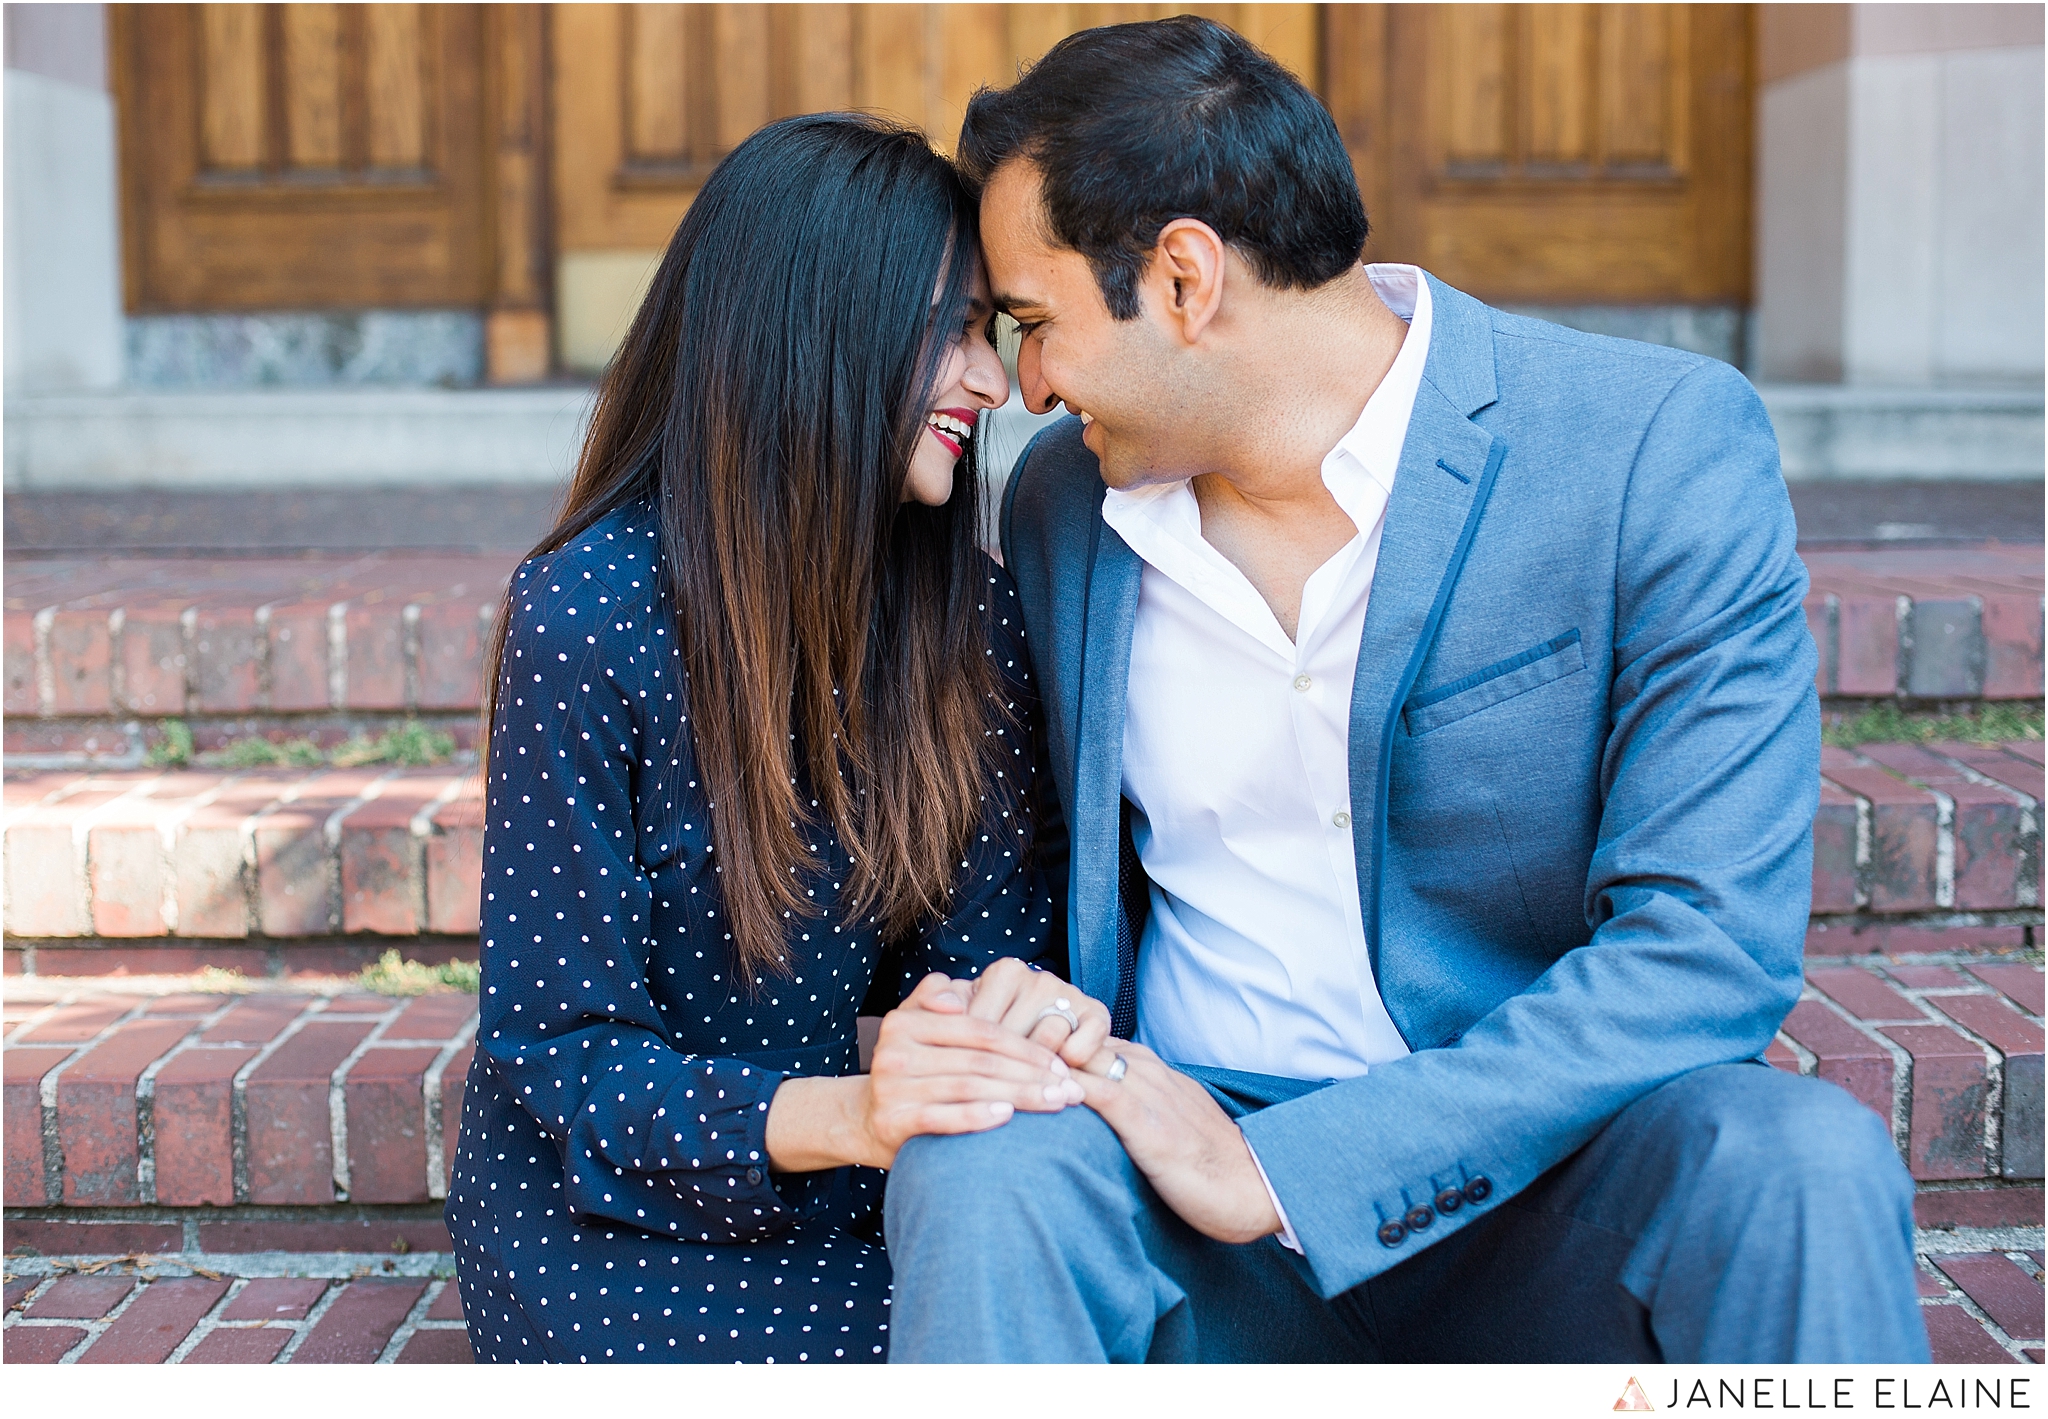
[(1064, 1008)]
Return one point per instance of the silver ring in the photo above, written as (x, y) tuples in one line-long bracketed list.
[(1118, 1067), (1060, 1008)]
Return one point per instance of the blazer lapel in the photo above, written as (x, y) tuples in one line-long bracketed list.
[(1111, 612), (1448, 464)]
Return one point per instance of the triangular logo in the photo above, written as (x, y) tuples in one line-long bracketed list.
[(1633, 1400)]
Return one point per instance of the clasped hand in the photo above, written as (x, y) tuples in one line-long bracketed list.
[(962, 1056)]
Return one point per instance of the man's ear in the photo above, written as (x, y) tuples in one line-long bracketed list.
[(1185, 278)]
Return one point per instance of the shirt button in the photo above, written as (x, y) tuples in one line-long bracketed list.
[(1303, 683), (753, 1177), (1342, 820)]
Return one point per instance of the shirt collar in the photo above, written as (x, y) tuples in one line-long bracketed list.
[(1359, 471)]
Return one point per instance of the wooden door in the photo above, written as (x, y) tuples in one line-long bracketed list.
[(303, 156), (647, 98), (1552, 154)]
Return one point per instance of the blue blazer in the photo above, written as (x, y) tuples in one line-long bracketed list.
[(1584, 763)]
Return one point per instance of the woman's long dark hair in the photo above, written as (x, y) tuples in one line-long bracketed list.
[(766, 403)]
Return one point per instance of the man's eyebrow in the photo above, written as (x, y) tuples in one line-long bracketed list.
[(1010, 304)]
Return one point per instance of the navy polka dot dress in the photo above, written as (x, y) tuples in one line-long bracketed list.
[(612, 1198)]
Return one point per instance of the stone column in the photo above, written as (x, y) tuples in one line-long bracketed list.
[(1899, 194), (63, 268)]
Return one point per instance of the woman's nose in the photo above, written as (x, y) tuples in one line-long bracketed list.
[(986, 379)]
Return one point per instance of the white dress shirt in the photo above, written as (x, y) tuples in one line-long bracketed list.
[(1236, 758)]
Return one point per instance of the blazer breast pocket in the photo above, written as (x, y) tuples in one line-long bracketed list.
[(1503, 680)]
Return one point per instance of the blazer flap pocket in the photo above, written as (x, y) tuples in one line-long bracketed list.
[(1503, 680)]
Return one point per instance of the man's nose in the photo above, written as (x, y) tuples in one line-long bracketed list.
[(1038, 395)]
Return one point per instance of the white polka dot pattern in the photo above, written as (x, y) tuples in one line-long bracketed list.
[(612, 1197)]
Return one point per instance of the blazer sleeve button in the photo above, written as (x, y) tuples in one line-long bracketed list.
[(1479, 1189), (1449, 1201), (1392, 1234), (1419, 1218)]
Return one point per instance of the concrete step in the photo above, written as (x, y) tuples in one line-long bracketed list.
[(100, 650), (368, 436)]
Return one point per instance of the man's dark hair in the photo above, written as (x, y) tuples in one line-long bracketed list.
[(1133, 126)]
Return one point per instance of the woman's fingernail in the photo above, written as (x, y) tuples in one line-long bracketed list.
[(1000, 1110), (1059, 1066), (1056, 1093)]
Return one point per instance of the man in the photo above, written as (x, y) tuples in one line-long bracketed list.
[(1432, 713)]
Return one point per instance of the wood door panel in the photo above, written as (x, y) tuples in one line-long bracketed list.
[(648, 98), (302, 156), (1552, 153)]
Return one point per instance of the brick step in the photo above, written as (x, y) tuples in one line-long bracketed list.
[(213, 1100), (1927, 623), (92, 643), (133, 1315), (161, 636), (1980, 1307), (225, 865), (271, 1162), (126, 1100)]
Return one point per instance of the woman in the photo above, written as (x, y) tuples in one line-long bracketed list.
[(759, 760)]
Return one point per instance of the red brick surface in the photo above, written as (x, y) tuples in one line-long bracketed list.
[(294, 881), (85, 1235), (155, 1322), (1949, 1088), (152, 659), (250, 1346), (1986, 1015), (96, 1113), (1846, 1056), (2007, 1294), (22, 1109), (2021, 983), (455, 857), (437, 1347), (376, 657), (451, 638), (298, 656), (447, 1305), (227, 643), (453, 1080), (1863, 994), (81, 658), (359, 1323), (387, 1144), (276, 1298), (194, 1116), (1835, 879), (1904, 833), (80, 1298), (77, 1022), (291, 1154), (1955, 1338), (39, 1344), (380, 891), (315, 1233), (18, 637)]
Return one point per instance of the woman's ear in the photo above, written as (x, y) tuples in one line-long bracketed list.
[(1185, 276)]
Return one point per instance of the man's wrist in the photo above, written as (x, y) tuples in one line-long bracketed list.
[(1284, 1230)]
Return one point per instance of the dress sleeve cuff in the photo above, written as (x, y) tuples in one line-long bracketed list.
[(1287, 1237)]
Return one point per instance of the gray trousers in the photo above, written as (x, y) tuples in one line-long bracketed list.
[(1737, 1213)]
